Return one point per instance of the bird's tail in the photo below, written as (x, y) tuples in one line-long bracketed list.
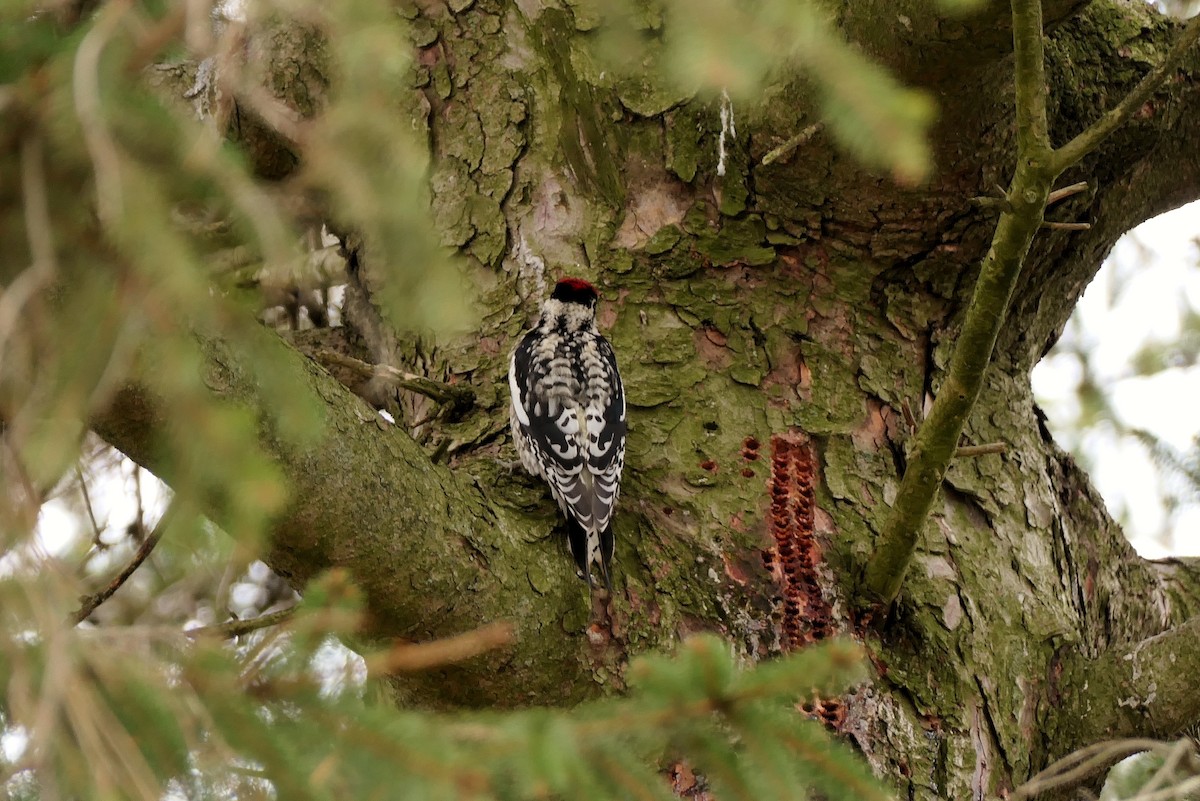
[(587, 547)]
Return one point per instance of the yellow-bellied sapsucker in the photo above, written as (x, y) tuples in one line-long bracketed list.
[(568, 419)]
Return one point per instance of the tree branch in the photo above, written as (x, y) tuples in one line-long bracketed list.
[(1038, 165), (971, 451), (938, 437), (1069, 154), (1148, 689), (432, 555), (458, 399), (1086, 765), (236, 628), (1033, 133), (1066, 192), (407, 657), (89, 603)]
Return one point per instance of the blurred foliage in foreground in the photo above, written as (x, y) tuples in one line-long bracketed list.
[(128, 216), (148, 713)]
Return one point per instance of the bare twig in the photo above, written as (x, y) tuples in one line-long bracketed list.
[(909, 419), (1166, 771), (89, 603), (1182, 791), (793, 143), (236, 628), (1066, 226), (458, 398), (87, 504), (1066, 192), (968, 451), (139, 519), (989, 202), (408, 657)]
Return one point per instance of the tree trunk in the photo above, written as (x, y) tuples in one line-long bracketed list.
[(780, 329)]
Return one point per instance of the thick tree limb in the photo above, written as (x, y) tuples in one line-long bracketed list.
[(431, 554), (1069, 154), (1153, 682)]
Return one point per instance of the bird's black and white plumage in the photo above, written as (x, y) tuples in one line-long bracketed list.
[(568, 419)]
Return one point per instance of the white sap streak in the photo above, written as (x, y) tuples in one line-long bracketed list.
[(728, 126)]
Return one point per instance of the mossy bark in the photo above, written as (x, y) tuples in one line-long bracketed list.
[(807, 300)]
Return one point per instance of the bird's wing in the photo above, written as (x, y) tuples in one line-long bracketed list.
[(604, 425), (571, 411)]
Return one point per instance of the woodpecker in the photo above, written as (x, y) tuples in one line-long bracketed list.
[(568, 419)]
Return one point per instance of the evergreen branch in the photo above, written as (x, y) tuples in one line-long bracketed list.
[(629, 784), (1069, 154), (820, 664), (458, 398), (835, 771), (89, 603)]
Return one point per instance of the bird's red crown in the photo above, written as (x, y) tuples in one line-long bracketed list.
[(575, 290)]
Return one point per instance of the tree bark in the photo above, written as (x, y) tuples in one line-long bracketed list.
[(778, 328)]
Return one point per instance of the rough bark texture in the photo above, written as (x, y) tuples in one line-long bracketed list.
[(774, 326)]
